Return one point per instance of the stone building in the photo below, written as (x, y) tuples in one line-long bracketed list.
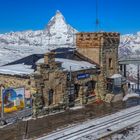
[(66, 81), (102, 48), (63, 78), (68, 77)]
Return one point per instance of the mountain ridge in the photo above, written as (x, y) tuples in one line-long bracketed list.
[(58, 33)]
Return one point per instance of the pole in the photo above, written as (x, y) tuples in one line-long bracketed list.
[(125, 71), (70, 75), (70, 83), (138, 77), (97, 19), (2, 104), (121, 69), (73, 38)]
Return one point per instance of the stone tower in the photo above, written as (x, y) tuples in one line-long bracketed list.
[(102, 48)]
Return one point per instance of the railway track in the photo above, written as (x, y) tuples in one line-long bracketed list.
[(98, 128)]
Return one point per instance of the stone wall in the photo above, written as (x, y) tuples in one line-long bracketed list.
[(102, 48), (50, 77), (89, 44), (91, 53), (16, 81)]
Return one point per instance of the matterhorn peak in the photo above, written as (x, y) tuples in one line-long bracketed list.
[(57, 25), (57, 34), (57, 20), (59, 15), (58, 12)]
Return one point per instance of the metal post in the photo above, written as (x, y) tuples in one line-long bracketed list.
[(97, 17), (70, 82), (138, 77), (2, 104), (70, 75), (121, 69), (124, 70)]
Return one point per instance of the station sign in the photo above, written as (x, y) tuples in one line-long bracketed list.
[(83, 76)]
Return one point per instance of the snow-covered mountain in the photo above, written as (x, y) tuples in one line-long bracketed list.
[(15, 45), (130, 46), (58, 33)]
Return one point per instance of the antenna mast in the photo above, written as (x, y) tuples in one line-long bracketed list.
[(97, 16)]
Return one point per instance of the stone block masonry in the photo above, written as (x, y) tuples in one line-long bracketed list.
[(101, 48)]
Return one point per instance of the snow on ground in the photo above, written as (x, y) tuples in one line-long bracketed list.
[(132, 133), (11, 53), (96, 122), (76, 107), (130, 95)]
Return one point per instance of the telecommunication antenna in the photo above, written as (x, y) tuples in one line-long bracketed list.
[(97, 16)]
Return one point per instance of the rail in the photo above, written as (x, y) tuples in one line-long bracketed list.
[(96, 130)]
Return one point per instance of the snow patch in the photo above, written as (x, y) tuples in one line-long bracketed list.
[(18, 69), (130, 95), (116, 76)]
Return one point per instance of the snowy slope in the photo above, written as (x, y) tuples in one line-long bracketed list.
[(130, 45), (15, 45), (58, 33)]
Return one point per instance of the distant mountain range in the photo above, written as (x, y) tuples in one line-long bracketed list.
[(130, 44), (16, 45), (58, 33)]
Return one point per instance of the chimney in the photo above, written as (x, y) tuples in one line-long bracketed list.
[(49, 58)]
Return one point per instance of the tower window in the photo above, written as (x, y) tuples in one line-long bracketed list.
[(110, 63), (50, 97)]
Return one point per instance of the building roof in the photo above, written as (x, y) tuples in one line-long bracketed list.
[(68, 57), (16, 69), (116, 76), (72, 65), (98, 33)]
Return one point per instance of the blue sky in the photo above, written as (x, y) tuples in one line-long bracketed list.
[(115, 15)]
